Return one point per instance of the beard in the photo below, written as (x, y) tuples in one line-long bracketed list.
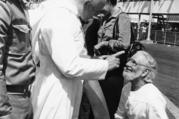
[(131, 76)]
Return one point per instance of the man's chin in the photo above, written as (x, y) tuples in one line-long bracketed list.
[(125, 73), (126, 76)]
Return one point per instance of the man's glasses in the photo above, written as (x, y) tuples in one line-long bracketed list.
[(136, 63)]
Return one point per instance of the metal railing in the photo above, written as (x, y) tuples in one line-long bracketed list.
[(167, 37), (162, 37)]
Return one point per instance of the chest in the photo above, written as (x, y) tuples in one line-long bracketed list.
[(19, 37), (107, 28), (136, 108)]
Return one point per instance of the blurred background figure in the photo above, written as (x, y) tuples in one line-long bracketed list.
[(114, 35), (144, 30), (17, 68)]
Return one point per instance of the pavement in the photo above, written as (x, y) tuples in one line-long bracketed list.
[(168, 74), (173, 109)]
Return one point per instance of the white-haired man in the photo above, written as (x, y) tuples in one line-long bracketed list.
[(142, 100), (64, 63)]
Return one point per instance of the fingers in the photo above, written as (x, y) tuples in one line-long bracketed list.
[(118, 53)]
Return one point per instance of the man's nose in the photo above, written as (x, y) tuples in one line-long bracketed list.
[(128, 63)]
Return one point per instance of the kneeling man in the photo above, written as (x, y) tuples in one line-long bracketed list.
[(140, 98)]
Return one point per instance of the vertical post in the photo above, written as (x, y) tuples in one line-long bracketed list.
[(175, 38), (150, 21), (155, 41), (148, 40), (165, 37), (138, 27)]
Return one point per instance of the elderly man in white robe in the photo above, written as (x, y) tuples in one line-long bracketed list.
[(64, 64)]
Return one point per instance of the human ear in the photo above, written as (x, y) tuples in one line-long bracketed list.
[(145, 73), (146, 76)]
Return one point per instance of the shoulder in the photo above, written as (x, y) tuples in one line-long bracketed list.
[(63, 22), (5, 11), (3, 3), (64, 17), (124, 16), (49, 18), (154, 95), (6, 2), (3, 0)]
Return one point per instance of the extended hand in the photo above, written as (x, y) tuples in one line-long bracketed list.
[(114, 61)]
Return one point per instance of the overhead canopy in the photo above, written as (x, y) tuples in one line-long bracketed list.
[(143, 7), (143, 18)]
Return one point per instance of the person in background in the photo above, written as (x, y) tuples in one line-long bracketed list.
[(114, 35), (141, 99), (93, 104), (64, 63), (17, 68), (144, 30)]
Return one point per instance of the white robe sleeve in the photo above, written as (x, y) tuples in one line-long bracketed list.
[(64, 39)]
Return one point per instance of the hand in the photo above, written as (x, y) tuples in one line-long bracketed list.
[(114, 61), (103, 57), (100, 45), (96, 49)]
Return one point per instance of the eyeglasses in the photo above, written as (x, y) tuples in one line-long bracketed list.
[(135, 63)]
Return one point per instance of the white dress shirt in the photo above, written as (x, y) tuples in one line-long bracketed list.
[(145, 103), (59, 45)]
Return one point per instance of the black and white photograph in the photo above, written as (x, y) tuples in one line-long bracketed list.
[(89, 59)]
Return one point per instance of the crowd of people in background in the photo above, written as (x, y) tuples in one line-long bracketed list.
[(54, 63)]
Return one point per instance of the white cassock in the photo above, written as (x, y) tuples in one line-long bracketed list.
[(64, 64)]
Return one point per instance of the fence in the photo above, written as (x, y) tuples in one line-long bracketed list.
[(162, 37), (167, 37)]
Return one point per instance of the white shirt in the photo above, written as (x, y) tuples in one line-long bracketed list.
[(64, 64), (145, 103)]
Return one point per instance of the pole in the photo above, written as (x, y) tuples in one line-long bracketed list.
[(138, 27), (150, 22)]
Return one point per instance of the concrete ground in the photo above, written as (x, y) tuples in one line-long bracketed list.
[(168, 78)]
